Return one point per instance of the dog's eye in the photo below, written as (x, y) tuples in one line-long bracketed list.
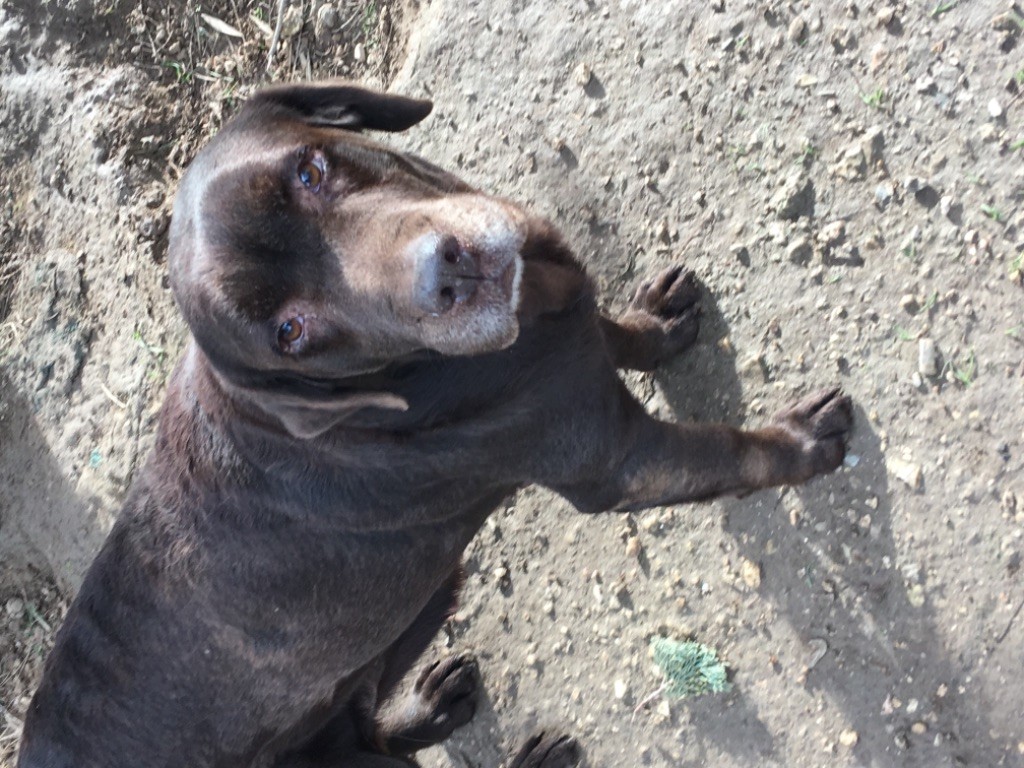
[(310, 174), (290, 331)]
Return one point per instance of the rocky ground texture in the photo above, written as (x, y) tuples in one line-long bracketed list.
[(847, 180)]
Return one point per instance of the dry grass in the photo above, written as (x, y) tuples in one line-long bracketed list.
[(31, 609)]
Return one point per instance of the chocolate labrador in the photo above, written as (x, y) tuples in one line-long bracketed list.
[(380, 355)]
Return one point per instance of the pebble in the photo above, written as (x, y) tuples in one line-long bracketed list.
[(907, 471), (621, 689), (818, 648), (833, 233), (852, 164), (14, 607), (326, 22), (291, 25), (910, 304), (359, 54), (919, 728), (849, 738), (995, 109), (915, 595), (750, 572), (797, 29), (800, 251), (912, 184), (633, 547), (927, 357), (583, 74), (793, 198), (872, 143), (883, 195)]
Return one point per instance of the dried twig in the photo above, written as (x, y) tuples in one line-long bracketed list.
[(277, 33)]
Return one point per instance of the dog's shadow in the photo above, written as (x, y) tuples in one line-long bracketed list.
[(831, 569)]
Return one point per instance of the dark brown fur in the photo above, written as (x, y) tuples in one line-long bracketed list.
[(294, 541)]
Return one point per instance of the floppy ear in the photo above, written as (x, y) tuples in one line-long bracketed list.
[(306, 419), (339, 105)]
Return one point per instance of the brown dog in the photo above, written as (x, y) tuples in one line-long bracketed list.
[(381, 354)]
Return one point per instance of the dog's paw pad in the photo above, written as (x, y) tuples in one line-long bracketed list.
[(547, 750)]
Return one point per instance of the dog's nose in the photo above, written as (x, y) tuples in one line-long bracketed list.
[(445, 275)]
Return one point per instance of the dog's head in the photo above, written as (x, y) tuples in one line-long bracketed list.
[(302, 250)]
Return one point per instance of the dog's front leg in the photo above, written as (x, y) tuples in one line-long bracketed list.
[(665, 463)]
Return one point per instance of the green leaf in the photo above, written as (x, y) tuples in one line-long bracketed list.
[(690, 668)]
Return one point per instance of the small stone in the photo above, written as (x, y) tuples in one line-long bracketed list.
[(755, 367), (797, 29), (915, 595), (852, 164), (832, 234), (359, 53), (907, 471), (849, 738), (14, 607), (911, 184), (872, 143), (817, 649), (995, 109), (741, 253), (621, 689), (750, 572), (633, 547), (910, 304), (794, 197), (919, 728), (885, 16), (326, 22), (925, 84), (927, 357), (883, 195), (291, 25), (583, 74), (800, 251)]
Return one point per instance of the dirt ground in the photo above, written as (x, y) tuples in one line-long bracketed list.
[(847, 180)]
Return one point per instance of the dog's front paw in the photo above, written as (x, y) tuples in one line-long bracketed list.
[(547, 750), (820, 425), (443, 698), (669, 305)]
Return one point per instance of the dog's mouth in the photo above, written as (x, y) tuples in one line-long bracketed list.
[(502, 279)]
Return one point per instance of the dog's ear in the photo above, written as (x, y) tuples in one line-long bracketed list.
[(339, 105), (305, 418)]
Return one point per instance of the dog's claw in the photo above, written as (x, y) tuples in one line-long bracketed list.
[(443, 698), (547, 750), (821, 424), (669, 307)]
